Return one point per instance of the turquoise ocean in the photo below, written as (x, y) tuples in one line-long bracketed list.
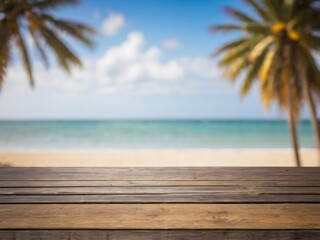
[(148, 134)]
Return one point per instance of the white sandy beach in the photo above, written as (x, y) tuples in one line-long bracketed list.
[(157, 158)]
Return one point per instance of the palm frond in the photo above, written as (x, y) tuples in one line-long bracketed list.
[(234, 54), (259, 9), (234, 70), (44, 28), (267, 93), (239, 15), (40, 48), (225, 27), (259, 48), (48, 4), (273, 88), (266, 65), (80, 32), (63, 53), (252, 74), (308, 66), (230, 45), (310, 41), (4, 50), (24, 53), (252, 28), (33, 30), (299, 6), (275, 8)]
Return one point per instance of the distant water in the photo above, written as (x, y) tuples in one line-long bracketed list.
[(103, 135)]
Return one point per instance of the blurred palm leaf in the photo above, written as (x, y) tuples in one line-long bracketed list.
[(278, 49), (44, 29)]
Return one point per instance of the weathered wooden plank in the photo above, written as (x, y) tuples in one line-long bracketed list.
[(128, 183), (159, 185), (90, 177), (159, 234), (163, 198), (159, 216), (159, 174), (283, 170), (144, 172), (122, 190), (159, 190)]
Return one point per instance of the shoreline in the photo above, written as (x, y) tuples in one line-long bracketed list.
[(158, 158), (89, 150)]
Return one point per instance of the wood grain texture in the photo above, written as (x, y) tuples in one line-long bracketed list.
[(172, 173), (159, 203), (159, 216), (159, 190), (160, 235), (163, 198), (142, 183), (159, 185)]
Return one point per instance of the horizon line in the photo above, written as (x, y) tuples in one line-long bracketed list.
[(146, 119)]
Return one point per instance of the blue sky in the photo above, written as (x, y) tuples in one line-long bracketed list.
[(151, 60)]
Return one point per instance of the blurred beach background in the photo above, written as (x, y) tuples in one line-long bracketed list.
[(152, 143), (139, 84)]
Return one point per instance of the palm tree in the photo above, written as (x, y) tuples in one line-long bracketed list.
[(275, 47), (18, 17)]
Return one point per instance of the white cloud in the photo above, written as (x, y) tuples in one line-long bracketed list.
[(113, 24), (171, 43), (128, 67), (53, 81), (131, 64)]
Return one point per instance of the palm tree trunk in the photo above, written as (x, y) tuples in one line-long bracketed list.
[(313, 111), (293, 131), (292, 81)]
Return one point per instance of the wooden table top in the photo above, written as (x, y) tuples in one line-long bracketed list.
[(160, 203)]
